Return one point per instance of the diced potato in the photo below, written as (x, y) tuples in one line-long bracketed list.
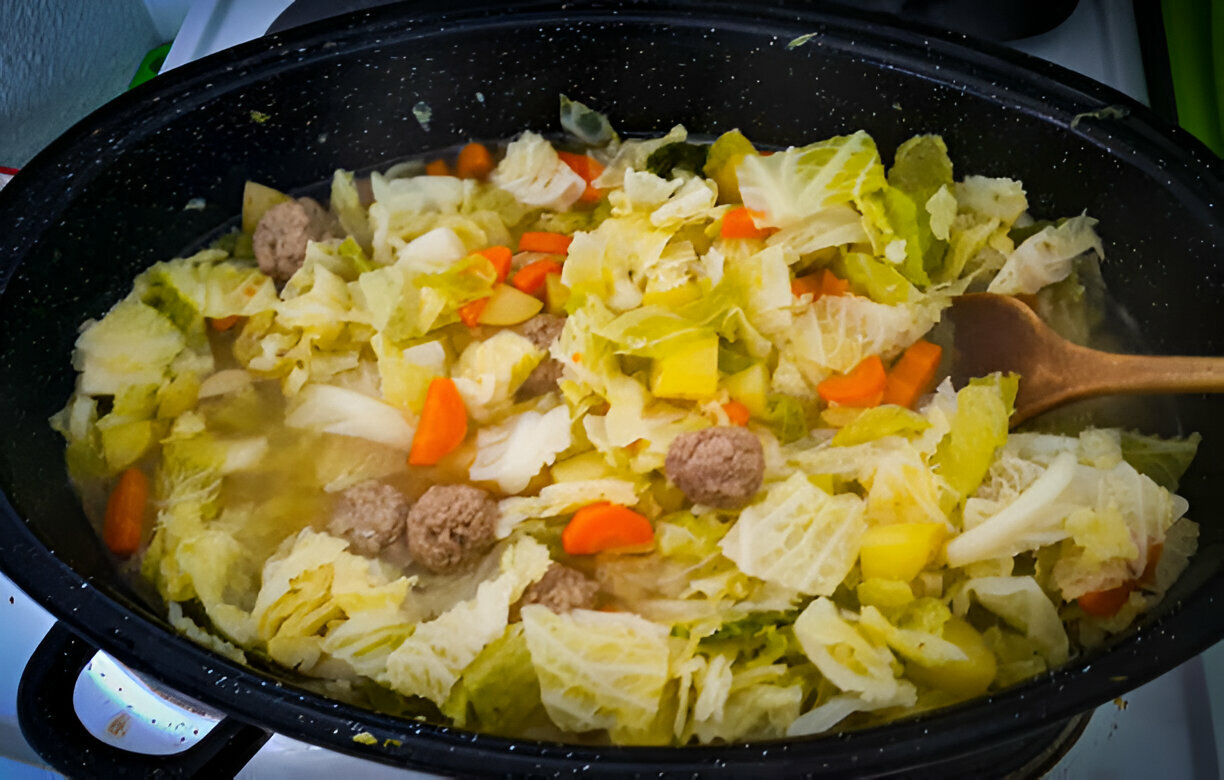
[(673, 297), (509, 306), (751, 388), (899, 551), (689, 372), (556, 294), (256, 200), (587, 465), (965, 679)]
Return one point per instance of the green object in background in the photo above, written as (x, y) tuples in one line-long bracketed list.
[(150, 66), (1194, 30)]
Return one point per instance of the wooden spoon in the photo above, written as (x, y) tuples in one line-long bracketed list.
[(1001, 333)]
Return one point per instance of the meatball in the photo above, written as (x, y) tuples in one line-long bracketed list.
[(282, 234), (562, 589), (451, 525), (371, 516), (542, 330), (720, 467), (542, 379)]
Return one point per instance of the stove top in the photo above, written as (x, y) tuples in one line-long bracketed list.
[(1171, 727)]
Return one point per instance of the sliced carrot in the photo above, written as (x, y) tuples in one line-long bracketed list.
[(531, 277), (806, 285), (125, 510), (499, 256), (862, 387), (737, 413), (604, 526), (222, 324), (443, 424), (913, 374), (542, 241), (819, 283), (589, 169), (1106, 603), (738, 223), (437, 168), (470, 313), (474, 162), (832, 284)]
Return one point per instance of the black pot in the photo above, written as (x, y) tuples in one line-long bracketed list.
[(108, 199)]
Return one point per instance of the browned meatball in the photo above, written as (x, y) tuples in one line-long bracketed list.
[(562, 589), (720, 467), (542, 330), (371, 516), (282, 234), (451, 525)]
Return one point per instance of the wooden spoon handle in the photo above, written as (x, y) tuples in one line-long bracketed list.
[(1155, 374)]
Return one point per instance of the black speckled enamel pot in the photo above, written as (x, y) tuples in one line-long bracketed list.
[(112, 196)]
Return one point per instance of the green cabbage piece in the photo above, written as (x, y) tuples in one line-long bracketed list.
[(498, 692), (346, 205), (324, 408), (431, 661), (532, 172), (134, 344), (788, 186), (878, 280), (1022, 604), (682, 155), (599, 670), (1162, 460), (846, 656), (586, 124), (1046, 257), (979, 427), (878, 422), (916, 634), (488, 373), (311, 587), (900, 231), (513, 452), (798, 536)]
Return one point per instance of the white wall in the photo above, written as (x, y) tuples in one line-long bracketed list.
[(61, 59)]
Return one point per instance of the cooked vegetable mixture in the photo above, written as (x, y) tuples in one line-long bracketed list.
[(641, 441)]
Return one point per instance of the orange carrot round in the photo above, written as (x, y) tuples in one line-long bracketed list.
[(913, 374), (531, 277), (738, 223), (475, 162), (1106, 603), (437, 168), (500, 257), (605, 526), (543, 241), (443, 424), (737, 413), (862, 387), (469, 313), (125, 509)]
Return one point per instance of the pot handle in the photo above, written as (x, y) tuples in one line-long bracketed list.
[(50, 724)]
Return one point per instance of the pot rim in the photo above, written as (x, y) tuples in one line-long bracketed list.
[(1052, 94)]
